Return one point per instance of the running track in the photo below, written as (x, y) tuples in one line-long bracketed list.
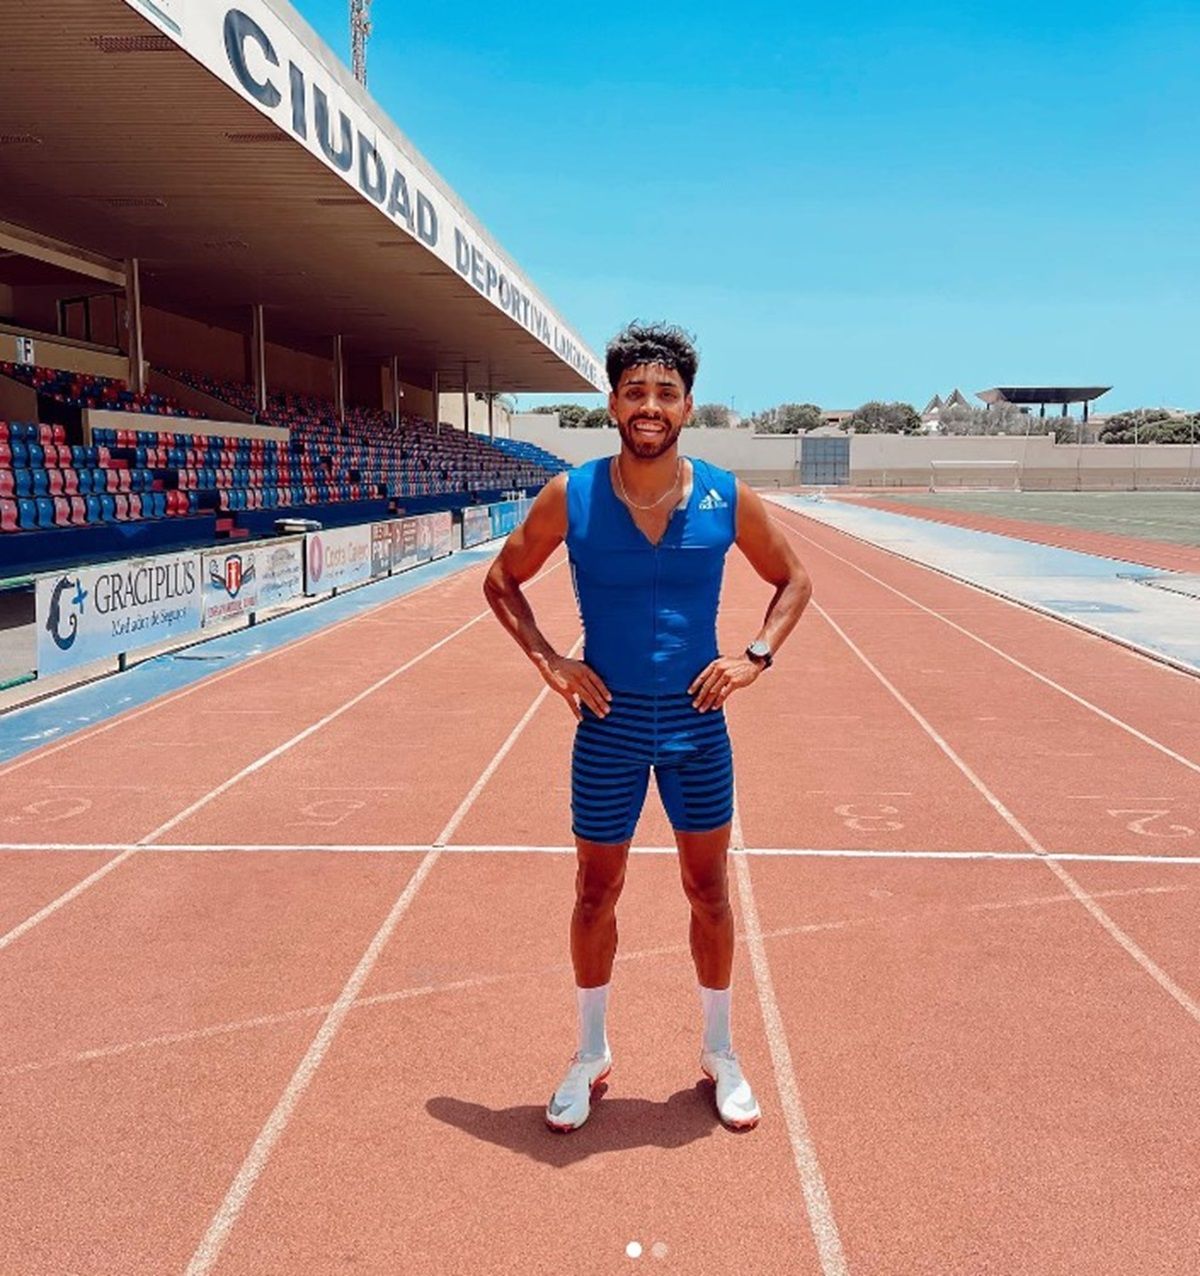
[(973, 1058)]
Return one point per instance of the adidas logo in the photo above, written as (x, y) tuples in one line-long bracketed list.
[(713, 501)]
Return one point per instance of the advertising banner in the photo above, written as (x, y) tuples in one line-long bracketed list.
[(230, 585), (88, 613), (443, 533), (381, 548), (280, 567), (477, 525), (337, 557), (507, 515), (404, 544)]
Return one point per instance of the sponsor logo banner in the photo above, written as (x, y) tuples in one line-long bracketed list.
[(280, 571), (477, 525), (230, 585), (89, 613), (340, 556), (507, 515), (443, 533), (381, 548)]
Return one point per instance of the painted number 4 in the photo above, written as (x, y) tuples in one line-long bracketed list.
[(1147, 823)]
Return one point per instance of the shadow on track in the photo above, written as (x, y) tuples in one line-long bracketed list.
[(615, 1125)]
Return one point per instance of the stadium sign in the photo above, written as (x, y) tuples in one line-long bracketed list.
[(250, 48)]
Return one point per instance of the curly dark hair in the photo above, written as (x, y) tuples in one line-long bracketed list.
[(639, 343)]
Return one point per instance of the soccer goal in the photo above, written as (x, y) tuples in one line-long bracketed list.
[(974, 476)]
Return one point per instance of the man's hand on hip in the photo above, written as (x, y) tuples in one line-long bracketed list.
[(716, 683), (575, 682)]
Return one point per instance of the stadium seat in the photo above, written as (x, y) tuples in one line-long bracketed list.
[(26, 513), (44, 512), (62, 511), (107, 509), (79, 516), (92, 507), (8, 515)]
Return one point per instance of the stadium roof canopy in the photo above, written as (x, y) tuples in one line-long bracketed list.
[(230, 151), (1042, 393)]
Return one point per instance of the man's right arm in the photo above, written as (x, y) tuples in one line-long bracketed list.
[(524, 552)]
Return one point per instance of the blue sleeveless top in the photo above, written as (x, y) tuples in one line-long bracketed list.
[(649, 611)]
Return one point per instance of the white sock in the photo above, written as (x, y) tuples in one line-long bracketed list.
[(593, 1003), (716, 1018)]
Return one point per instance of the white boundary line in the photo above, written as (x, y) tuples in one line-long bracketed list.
[(147, 841), (274, 1019), (812, 1182), (1143, 959), (239, 1191), (482, 848), (983, 642)]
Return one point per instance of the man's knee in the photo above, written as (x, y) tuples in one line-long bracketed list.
[(598, 883), (708, 895)]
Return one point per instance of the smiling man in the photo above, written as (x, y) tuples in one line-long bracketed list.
[(647, 532)]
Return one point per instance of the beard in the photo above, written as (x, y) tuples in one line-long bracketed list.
[(648, 449)]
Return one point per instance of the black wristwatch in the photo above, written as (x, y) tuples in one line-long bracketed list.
[(759, 651)]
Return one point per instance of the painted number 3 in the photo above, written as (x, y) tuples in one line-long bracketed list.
[(1148, 823), (868, 819)]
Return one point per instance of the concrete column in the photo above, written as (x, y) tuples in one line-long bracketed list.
[(1085, 412), (133, 317), (396, 391), (491, 401), (258, 358), (339, 379), (437, 404), (466, 405)]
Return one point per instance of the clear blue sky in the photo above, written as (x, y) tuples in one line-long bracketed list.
[(842, 202)]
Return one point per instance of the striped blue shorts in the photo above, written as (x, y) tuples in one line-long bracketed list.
[(612, 758)]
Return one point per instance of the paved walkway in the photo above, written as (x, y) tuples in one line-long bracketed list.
[(1107, 596)]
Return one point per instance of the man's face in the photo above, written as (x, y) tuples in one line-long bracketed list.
[(650, 407)]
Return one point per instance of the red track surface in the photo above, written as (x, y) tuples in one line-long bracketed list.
[(964, 1067), (1132, 549)]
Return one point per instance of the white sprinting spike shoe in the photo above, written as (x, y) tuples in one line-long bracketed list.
[(736, 1104), (571, 1103)]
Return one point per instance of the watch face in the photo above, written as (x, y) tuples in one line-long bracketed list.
[(759, 649)]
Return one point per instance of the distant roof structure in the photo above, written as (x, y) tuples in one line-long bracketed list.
[(1042, 393), (934, 405), (956, 399)]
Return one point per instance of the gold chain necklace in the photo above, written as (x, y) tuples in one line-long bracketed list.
[(663, 497)]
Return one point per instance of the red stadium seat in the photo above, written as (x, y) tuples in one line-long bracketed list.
[(8, 515), (121, 507), (135, 506), (78, 511), (62, 511)]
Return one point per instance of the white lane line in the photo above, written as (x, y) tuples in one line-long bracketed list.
[(267, 758), (30, 922), (812, 1181), (1143, 959), (1012, 660), (81, 736), (280, 1017), (210, 1246), (479, 848), (147, 841)]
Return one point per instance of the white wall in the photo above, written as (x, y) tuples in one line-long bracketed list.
[(766, 455)]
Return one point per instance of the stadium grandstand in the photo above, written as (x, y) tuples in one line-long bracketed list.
[(261, 303)]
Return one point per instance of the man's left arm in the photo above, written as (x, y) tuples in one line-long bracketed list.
[(774, 559)]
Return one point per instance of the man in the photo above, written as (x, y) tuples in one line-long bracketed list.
[(647, 533)]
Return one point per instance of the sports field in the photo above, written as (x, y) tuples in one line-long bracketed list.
[(1171, 517), (288, 986)]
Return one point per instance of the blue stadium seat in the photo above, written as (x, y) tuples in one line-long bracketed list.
[(92, 505), (45, 512), (26, 513)]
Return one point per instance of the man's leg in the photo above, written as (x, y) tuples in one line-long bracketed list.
[(703, 867), (598, 881)]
